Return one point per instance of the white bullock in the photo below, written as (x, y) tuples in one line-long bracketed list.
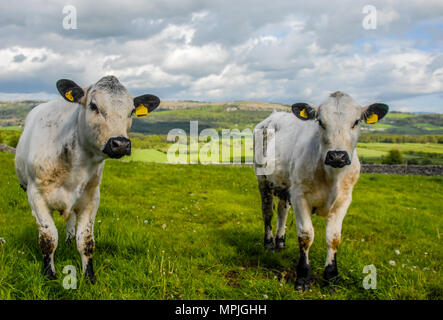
[(314, 168), (60, 158)]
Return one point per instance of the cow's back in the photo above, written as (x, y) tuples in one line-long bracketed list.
[(46, 129), (296, 144)]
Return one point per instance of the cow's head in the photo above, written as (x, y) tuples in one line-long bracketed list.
[(106, 116), (338, 120)]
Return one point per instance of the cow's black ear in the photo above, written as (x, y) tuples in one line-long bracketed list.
[(304, 111), (374, 112), (69, 90), (145, 104)]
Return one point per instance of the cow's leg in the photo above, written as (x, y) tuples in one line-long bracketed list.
[(333, 237), (268, 212), (70, 227), (86, 213), (47, 231), (305, 233), (282, 214)]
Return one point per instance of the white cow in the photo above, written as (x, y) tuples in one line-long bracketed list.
[(60, 158), (315, 167)]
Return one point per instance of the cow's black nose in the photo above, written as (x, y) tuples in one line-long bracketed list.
[(118, 147), (337, 159)]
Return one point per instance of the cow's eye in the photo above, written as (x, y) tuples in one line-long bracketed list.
[(93, 107), (356, 123), (321, 124)]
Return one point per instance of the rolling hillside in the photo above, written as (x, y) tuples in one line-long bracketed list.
[(240, 115)]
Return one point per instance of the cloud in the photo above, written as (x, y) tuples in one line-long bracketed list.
[(19, 58), (279, 51)]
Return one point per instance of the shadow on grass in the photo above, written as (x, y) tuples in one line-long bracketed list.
[(113, 249), (250, 252)]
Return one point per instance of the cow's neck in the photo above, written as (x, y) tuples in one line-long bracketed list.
[(88, 153)]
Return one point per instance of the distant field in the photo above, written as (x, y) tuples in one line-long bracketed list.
[(370, 153), (154, 148), (12, 128), (195, 232), (404, 147), (398, 115)]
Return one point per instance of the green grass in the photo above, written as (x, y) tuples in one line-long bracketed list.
[(195, 232), (146, 155), (11, 128), (370, 153)]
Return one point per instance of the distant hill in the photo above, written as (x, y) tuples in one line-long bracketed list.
[(12, 113), (229, 115)]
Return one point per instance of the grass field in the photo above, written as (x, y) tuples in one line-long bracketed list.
[(372, 152), (190, 232), (144, 154), (12, 128)]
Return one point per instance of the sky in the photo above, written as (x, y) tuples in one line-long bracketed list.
[(270, 51)]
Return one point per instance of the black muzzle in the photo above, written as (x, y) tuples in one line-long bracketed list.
[(337, 159), (118, 147)]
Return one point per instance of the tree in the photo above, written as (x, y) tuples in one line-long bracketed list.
[(394, 157)]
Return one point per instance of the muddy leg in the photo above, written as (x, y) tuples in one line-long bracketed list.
[(305, 233), (85, 232), (268, 212), (282, 215), (70, 228), (86, 245), (333, 239), (47, 231)]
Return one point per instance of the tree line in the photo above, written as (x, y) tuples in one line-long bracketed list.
[(388, 138)]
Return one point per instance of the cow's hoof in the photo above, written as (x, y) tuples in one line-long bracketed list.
[(92, 278), (269, 244), (280, 243), (50, 275), (47, 270), (90, 275), (331, 280), (330, 275), (302, 284)]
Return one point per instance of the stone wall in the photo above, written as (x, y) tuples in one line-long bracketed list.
[(403, 169), (6, 148)]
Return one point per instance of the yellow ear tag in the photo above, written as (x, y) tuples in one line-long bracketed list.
[(373, 118), (304, 114), (69, 95), (141, 111)]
